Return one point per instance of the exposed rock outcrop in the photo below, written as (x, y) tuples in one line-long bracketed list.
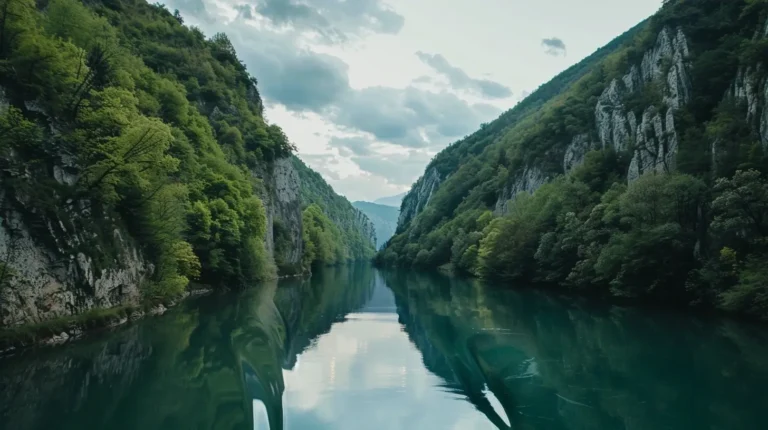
[(528, 181), (751, 88), (657, 144), (63, 259), (654, 138), (365, 226), (418, 197), (650, 133), (576, 151), (282, 202), (67, 268)]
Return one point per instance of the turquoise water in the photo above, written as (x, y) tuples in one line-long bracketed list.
[(355, 348)]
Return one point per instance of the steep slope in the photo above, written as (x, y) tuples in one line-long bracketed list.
[(384, 219), (635, 173), (358, 235), (134, 157), (469, 149)]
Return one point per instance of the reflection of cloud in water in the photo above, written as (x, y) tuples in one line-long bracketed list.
[(496, 405), (260, 418), (365, 373)]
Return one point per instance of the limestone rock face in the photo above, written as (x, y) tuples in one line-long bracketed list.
[(654, 137), (657, 144), (64, 259), (418, 198), (529, 181), (282, 203), (576, 151), (750, 88), (66, 269), (366, 227)]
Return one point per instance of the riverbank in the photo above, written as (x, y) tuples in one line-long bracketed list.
[(63, 330), (682, 305), (59, 331)]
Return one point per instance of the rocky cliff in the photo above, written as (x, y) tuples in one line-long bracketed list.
[(683, 95), (124, 174), (418, 197), (366, 228), (662, 84), (59, 257), (750, 89), (649, 135), (282, 202)]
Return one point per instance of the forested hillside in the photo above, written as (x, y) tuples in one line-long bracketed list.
[(337, 231), (383, 217), (134, 158), (638, 173)]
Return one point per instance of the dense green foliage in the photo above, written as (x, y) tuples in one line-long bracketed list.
[(158, 125), (323, 242), (324, 208), (383, 217), (694, 237)]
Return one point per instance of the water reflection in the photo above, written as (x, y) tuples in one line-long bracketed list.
[(355, 348), (556, 364), (215, 363)]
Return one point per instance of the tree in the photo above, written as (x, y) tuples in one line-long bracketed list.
[(136, 154), (741, 206)]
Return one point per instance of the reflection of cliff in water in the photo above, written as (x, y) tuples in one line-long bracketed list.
[(311, 307), (556, 364), (451, 347), (215, 363)]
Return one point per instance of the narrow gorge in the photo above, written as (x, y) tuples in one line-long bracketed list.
[(126, 175), (620, 176)]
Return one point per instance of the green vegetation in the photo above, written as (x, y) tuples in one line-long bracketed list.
[(347, 234), (695, 237), (323, 243), (94, 319), (383, 217), (156, 130)]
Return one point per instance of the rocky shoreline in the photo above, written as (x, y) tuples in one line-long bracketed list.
[(79, 329)]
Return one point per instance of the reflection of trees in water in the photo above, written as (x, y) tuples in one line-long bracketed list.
[(448, 348), (197, 367), (553, 363), (311, 307)]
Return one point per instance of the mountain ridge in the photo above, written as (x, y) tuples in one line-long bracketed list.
[(394, 201), (553, 191)]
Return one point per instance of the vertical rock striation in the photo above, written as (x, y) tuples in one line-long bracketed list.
[(653, 139), (63, 259), (649, 132), (419, 196), (282, 203)]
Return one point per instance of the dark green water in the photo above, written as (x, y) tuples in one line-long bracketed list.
[(354, 348)]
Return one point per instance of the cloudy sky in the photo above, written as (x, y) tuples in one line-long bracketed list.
[(370, 90)]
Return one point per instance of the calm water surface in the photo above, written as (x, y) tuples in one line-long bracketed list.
[(355, 348)]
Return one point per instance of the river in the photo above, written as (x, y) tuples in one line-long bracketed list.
[(358, 348)]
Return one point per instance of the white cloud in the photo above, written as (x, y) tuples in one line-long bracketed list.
[(341, 69)]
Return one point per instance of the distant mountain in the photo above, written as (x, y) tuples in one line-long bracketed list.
[(384, 219), (391, 201)]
